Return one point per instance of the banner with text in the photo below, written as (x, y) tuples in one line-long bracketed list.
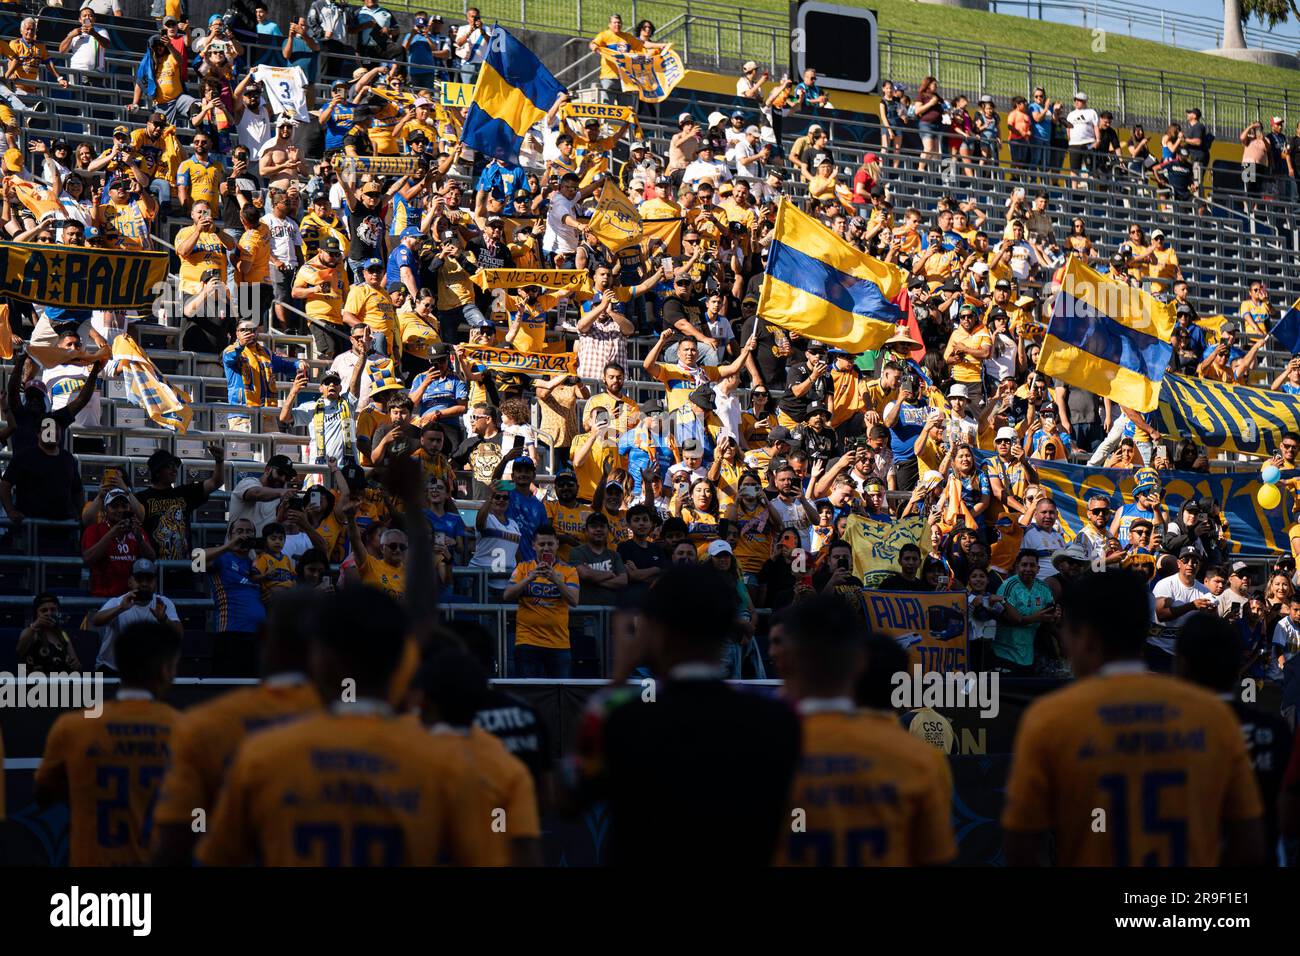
[(1226, 417), (379, 165), (1253, 530), (78, 277), (930, 627), (529, 363), (577, 281)]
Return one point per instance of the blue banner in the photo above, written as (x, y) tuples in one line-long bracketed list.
[(1253, 531)]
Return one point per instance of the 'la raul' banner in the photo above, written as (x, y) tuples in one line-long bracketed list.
[(80, 277), (931, 627)]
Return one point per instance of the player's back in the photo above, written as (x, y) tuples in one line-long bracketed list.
[(114, 766), (350, 789), (871, 795), (507, 799), (1130, 769), (206, 738)]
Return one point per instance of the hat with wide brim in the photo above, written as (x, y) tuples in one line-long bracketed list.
[(903, 342), (1074, 551)]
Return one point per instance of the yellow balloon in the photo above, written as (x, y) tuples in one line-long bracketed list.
[(1268, 497)]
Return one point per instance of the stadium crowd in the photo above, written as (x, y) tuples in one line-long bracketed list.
[(360, 223)]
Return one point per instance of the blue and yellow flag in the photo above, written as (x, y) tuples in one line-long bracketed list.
[(818, 285), (1110, 339), (146, 388), (514, 91)]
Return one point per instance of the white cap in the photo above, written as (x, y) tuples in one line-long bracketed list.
[(752, 129), (718, 547), (1080, 95), (1006, 432), (958, 391), (979, 268), (749, 65), (716, 117), (683, 117), (1157, 234)]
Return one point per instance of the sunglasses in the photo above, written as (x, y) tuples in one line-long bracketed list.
[(1098, 511), (505, 497), (395, 547)]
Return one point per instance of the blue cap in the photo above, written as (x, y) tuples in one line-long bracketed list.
[(526, 461), (372, 263), (410, 231)]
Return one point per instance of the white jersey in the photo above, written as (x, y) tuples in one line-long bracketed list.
[(64, 383), (286, 89)]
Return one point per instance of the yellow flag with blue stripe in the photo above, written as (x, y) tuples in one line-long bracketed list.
[(818, 285), (514, 91), (1108, 338)]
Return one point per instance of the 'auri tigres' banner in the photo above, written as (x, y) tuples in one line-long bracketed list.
[(930, 627), (378, 165), (558, 280), (530, 363), (652, 74), (1226, 417), (79, 277)]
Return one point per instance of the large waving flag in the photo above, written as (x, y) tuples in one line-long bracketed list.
[(145, 387), (1286, 333), (616, 222), (514, 91), (1110, 339), (818, 285)]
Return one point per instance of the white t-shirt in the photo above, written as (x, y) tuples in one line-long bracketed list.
[(471, 44), (560, 236), (305, 414), (709, 171), (86, 53), (1083, 126), (794, 516), (497, 548), (743, 150), (285, 239), (256, 131), (1004, 366), (108, 633), (286, 90), (261, 513), (1172, 587), (1046, 544)]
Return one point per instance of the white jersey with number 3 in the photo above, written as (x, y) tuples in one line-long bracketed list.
[(286, 86)]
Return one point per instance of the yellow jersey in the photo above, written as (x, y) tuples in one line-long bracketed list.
[(28, 59), (505, 789), (314, 228), (543, 618), (848, 395), (201, 179), (757, 532), (325, 306), (208, 253), (592, 467), (419, 334), (872, 795), (132, 220), (274, 573), (1162, 758), (373, 307), (355, 788), (567, 520), (619, 42), (168, 78), (255, 250), (113, 766), (680, 382), (207, 737), (454, 286), (377, 573)]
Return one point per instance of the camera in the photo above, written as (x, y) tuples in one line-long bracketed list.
[(209, 275), (736, 228), (907, 383)]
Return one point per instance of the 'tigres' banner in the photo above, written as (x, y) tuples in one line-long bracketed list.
[(1226, 417), (605, 112), (78, 277), (379, 165), (930, 627), (530, 363)]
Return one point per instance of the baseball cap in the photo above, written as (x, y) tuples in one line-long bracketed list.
[(737, 114), (1189, 551), (651, 407), (639, 144), (114, 495), (330, 244), (121, 129), (748, 65), (423, 101), (1277, 120), (1080, 95), (1006, 433), (717, 547), (1157, 234), (873, 486), (683, 117), (411, 232), (282, 462), (144, 566), (703, 397), (815, 346), (448, 235), (161, 459), (816, 408), (815, 128), (752, 130), (716, 117), (1240, 568), (370, 188), (1003, 284), (523, 461), (779, 433), (372, 263)]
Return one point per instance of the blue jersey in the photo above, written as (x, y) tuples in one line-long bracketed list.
[(238, 600), (501, 181), (902, 434), (444, 392), (973, 490), (1127, 515), (402, 256), (529, 513), (644, 450), (450, 523), (684, 425), (342, 118)]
